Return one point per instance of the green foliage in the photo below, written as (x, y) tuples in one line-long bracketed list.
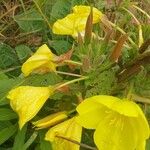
[(20, 139), (61, 46), (148, 145), (30, 21), (44, 80), (7, 132), (8, 57), (103, 84), (142, 84), (6, 85), (44, 145), (7, 114), (23, 52), (62, 7)]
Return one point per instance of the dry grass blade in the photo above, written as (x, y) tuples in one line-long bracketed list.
[(118, 47)]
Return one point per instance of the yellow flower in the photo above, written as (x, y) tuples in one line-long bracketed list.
[(59, 134), (26, 101), (75, 22), (42, 61), (119, 124), (51, 120)]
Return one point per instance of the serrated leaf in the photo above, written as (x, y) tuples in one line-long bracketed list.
[(19, 139), (30, 21), (6, 133), (7, 114)]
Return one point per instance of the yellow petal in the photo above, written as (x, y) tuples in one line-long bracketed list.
[(120, 124), (75, 22), (27, 101), (141, 145), (90, 113), (64, 26), (81, 9), (70, 25), (142, 128), (51, 120), (115, 132), (68, 129), (124, 107), (42, 59), (142, 125)]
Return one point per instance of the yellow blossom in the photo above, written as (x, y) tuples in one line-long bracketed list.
[(41, 61), (120, 124), (26, 101), (51, 120), (75, 22), (59, 134)]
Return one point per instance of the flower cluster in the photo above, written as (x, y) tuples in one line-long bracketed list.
[(119, 124)]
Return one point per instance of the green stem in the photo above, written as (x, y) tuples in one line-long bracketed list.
[(68, 73), (9, 69), (72, 81), (30, 141), (73, 62)]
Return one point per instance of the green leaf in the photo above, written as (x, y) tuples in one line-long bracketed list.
[(23, 52), (148, 145), (8, 57), (7, 114), (60, 9), (30, 140), (30, 21), (19, 139), (42, 80), (4, 124), (5, 86), (61, 46), (3, 76), (6, 133), (44, 145)]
